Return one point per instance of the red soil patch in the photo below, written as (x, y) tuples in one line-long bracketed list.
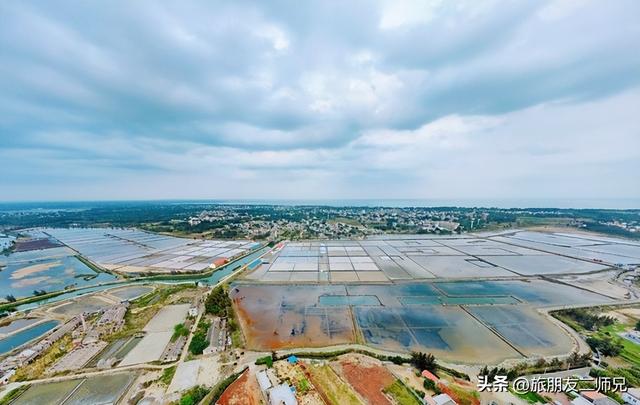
[(367, 378), (25, 245), (243, 391)]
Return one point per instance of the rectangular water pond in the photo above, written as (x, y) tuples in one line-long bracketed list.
[(18, 339), (348, 300), (525, 328)]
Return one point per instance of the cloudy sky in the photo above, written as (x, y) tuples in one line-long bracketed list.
[(400, 99)]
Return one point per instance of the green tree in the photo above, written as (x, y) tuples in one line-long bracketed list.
[(218, 302), (424, 361), (198, 343)]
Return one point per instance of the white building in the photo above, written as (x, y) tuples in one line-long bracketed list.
[(632, 396), (282, 395), (263, 380), (5, 377), (442, 399)]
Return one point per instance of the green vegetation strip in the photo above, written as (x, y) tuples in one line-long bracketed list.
[(267, 360), (199, 340), (14, 394), (401, 394), (90, 264), (381, 357), (167, 375), (530, 397), (194, 396)]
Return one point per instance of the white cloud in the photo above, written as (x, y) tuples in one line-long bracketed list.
[(424, 98)]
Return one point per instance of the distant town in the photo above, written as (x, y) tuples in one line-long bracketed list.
[(277, 222)]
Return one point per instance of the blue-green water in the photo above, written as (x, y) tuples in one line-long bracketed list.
[(16, 340), (21, 278)]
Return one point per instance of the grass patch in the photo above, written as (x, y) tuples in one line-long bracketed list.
[(194, 395), (133, 323), (401, 394), (268, 360), (179, 330), (530, 397), (303, 386), (630, 350), (167, 375), (461, 395)]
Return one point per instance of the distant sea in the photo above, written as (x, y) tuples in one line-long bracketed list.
[(485, 203)]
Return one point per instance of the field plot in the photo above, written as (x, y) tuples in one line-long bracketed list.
[(135, 251), (48, 393), (367, 376), (158, 334), (82, 304), (243, 391), (104, 389), (462, 266), (116, 350), (330, 386), (130, 292)]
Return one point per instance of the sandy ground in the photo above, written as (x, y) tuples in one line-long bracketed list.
[(204, 371), (209, 371), (618, 316), (34, 281), (29, 270), (186, 376), (149, 349), (630, 312), (167, 318)]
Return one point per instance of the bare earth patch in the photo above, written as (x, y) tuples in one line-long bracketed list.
[(367, 376)]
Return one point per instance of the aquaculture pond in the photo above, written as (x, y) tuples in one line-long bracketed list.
[(211, 279), (47, 270), (18, 339), (17, 324)]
